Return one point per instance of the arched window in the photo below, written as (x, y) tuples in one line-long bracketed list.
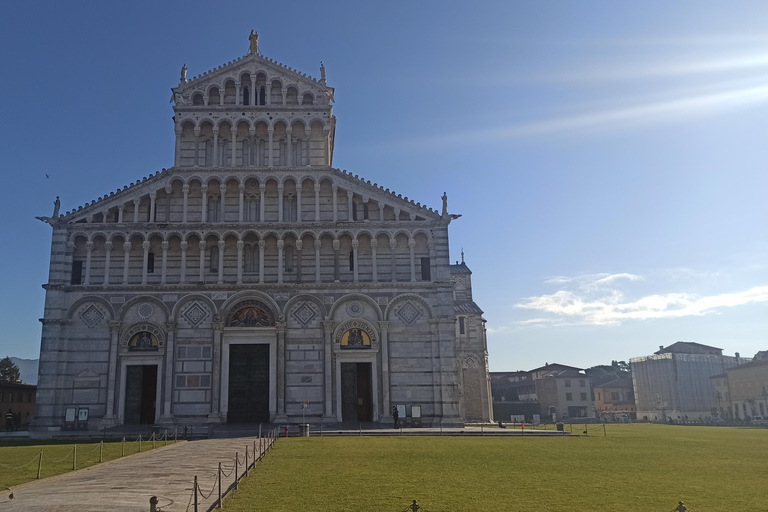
[(213, 209), (289, 257), (262, 96), (246, 95), (250, 255), (151, 263), (251, 209), (209, 153), (283, 153), (214, 259), (351, 261), (354, 210), (289, 208), (226, 153), (246, 152), (365, 211)]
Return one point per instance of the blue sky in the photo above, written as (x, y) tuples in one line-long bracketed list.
[(610, 160)]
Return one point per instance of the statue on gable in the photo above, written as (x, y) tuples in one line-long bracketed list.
[(184, 74), (322, 73), (254, 39), (55, 217), (445, 204)]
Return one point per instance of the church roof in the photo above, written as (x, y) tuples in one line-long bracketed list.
[(467, 308), (460, 268)]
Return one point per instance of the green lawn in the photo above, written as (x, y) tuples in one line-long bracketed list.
[(636, 467), (19, 458)]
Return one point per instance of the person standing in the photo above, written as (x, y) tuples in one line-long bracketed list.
[(9, 420), (396, 415)]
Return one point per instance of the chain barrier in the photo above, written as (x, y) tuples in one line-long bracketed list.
[(24, 465), (203, 495), (67, 456)]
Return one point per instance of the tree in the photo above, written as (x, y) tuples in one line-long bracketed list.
[(9, 372), (603, 374)]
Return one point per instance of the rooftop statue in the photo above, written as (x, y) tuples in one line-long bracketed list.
[(322, 72), (184, 74), (254, 39), (55, 217)]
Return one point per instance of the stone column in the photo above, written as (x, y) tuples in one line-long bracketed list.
[(196, 161), (120, 209), (355, 273), (183, 276), (146, 246), (336, 245), (393, 262), (253, 151), (268, 88), (285, 94), (215, 159), (88, 255), (164, 273), (223, 190), (206, 99), (108, 248), (280, 203), (136, 204), (327, 140), (280, 372), (280, 262), (222, 245), (411, 245), (381, 211), (204, 202), (241, 189), (318, 244), (288, 152), (328, 326), (126, 260), (185, 191), (177, 149), (262, 244), (166, 417), (385, 391), (168, 190), (335, 213), (215, 415), (253, 90), (299, 246), (221, 98), (262, 190), (201, 246), (317, 202), (298, 201), (234, 147), (432, 258), (374, 245), (104, 216), (269, 155), (240, 245), (238, 91), (152, 200), (350, 206), (114, 333)]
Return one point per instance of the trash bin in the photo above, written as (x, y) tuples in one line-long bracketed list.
[(560, 427), (304, 430)]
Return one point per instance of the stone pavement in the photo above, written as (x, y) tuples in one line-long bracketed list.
[(127, 484)]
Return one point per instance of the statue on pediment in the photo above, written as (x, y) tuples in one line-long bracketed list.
[(445, 204), (55, 217), (184, 74), (322, 72), (254, 39)]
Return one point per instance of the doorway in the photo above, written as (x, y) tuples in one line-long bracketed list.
[(248, 383), (356, 392), (140, 394)]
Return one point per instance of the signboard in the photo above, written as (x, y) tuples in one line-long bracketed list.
[(69, 415), (416, 411), (401, 411)]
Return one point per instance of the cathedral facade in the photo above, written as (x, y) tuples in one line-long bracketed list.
[(253, 282)]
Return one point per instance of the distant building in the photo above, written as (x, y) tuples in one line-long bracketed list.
[(742, 390), (615, 400), (558, 392), (20, 400), (675, 382)]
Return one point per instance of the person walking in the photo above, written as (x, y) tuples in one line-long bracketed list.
[(396, 415), (9, 420)]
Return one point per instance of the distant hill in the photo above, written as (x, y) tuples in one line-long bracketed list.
[(27, 368)]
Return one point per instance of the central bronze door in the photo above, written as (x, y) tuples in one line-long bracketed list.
[(356, 392), (140, 394), (248, 383)]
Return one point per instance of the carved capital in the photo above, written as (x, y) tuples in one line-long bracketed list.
[(127, 246), (114, 326), (384, 326), (355, 244), (223, 189), (350, 193), (184, 245), (392, 244), (240, 245), (411, 243), (318, 244), (262, 244), (165, 245), (374, 243), (201, 245), (336, 245), (107, 246), (153, 195), (329, 325), (204, 188), (137, 202), (171, 326), (146, 246), (185, 189), (280, 244), (299, 245), (89, 246), (317, 187)]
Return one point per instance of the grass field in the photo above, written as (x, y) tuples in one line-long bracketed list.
[(636, 467), (19, 458)]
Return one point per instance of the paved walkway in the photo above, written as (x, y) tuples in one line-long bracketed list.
[(127, 484)]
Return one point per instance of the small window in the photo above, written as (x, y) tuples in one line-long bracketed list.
[(599, 396), (569, 397), (29, 398), (567, 383), (246, 96), (462, 328), (77, 272), (351, 261), (151, 263), (583, 397), (425, 270), (615, 396), (214, 259), (365, 211), (582, 383), (10, 398)]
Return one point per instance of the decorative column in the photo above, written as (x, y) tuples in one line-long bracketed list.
[(262, 190), (152, 198), (253, 90), (288, 152), (262, 244), (280, 203), (355, 244), (197, 148), (317, 202), (223, 190), (107, 258), (222, 245), (177, 149), (238, 98), (240, 245), (183, 276), (136, 204), (126, 260), (170, 342), (432, 260), (254, 149), (88, 255), (411, 245), (318, 244), (336, 245), (385, 391), (241, 189), (375, 276), (234, 147), (114, 332), (215, 415), (215, 160), (164, 273), (298, 201), (335, 214), (146, 246), (185, 191), (269, 154), (168, 190), (393, 262), (120, 213), (299, 246), (327, 140), (201, 246), (280, 372), (350, 206), (285, 94), (268, 88), (204, 202), (104, 216), (381, 211), (328, 326), (280, 265)]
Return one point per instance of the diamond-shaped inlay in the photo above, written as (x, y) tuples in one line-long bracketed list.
[(408, 313), (304, 314), (195, 314), (91, 315)]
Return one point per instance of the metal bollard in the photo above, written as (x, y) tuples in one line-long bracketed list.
[(139, 443), (74, 458), (220, 503), (246, 461), (101, 451), (195, 491), (40, 464), (153, 504), (122, 451), (235, 470)]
